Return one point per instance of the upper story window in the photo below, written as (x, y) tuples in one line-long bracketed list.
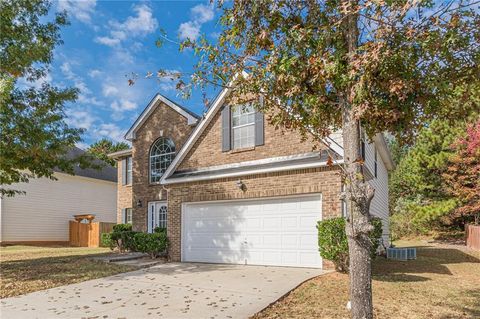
[(127, 171), (161, 155), (243, 126)]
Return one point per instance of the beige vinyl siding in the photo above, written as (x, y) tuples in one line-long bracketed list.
[(379, 205), (43, 213)]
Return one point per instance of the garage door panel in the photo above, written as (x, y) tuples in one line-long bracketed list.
[(272, 223), (280, 231)]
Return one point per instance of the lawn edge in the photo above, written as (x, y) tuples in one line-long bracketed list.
[(286, 294)]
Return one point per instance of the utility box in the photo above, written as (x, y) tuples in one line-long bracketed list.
[(402, 253)]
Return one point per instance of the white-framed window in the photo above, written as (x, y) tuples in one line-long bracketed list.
[(128, 216), (161, 155), (243, 126), (157, 216), (129, 170)]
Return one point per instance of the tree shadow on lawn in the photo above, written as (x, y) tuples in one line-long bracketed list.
[(429, 260), (468, 311)]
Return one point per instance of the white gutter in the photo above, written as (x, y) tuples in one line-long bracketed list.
[(187, 179)]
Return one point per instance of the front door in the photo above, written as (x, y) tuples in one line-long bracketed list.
[(157, 215)]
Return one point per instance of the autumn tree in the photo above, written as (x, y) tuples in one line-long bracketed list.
[(463, 173), (359, 66), (34, 135), (101, 148)]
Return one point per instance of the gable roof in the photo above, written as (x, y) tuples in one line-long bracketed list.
[(197, 132), (106, 172), (192, 118)]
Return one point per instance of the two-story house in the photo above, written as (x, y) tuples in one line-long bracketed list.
[(230, 188)]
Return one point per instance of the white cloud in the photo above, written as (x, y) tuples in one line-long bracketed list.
[(23, 83), (110, 131), (82, 10), (94, 73), (79, 119), (111, 42), (85, 95), (109, 90), (167, 83), (143, 23), (123, 105), (189, 30), (200, 14)]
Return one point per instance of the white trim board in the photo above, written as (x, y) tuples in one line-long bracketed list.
[(245, 172), (130, 135)]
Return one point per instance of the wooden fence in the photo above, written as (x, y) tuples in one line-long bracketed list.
[(473, 236), (88, 234)]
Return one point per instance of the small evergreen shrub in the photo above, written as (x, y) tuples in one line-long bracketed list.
[(153, 244), (123, 237), (333, 243), (160, 230), (106, 240)]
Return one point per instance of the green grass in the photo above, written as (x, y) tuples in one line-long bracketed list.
[(26, 269), (444, 282)]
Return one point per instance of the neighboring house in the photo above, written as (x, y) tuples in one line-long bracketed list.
[(43, 213), (230, 188)]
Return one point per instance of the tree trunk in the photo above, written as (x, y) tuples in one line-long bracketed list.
[(358, 192), (358, 223)]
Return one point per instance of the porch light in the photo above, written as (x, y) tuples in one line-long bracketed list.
[(139, 203), (241, 186)]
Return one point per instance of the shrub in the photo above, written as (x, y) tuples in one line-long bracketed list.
[(333, 243), (160, 230), (123, 237), (153, 244), (106, 240)]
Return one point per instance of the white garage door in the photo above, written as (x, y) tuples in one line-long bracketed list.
[(280, 232)]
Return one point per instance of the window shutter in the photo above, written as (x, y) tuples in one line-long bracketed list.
[(124, 216), (124, 171), (226, 131), (259, 129)]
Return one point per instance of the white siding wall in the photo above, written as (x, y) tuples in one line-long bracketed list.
[(379, 205), (43, 213)]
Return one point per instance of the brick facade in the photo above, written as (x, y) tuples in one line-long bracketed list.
[(207, 151), (325, 180), (163, 122), (166, 122), (124, 193)]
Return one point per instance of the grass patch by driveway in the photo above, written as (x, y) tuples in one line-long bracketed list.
[(26, 269), (444, 282)]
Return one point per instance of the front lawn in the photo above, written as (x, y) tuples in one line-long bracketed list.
[(444, 282), (26, 269)]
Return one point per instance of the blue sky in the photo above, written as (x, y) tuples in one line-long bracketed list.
[(108, 40)]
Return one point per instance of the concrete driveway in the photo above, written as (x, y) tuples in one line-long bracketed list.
[(173, 290)]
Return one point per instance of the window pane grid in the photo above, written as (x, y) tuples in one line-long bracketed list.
[(129, 216), (243, 126), (161, 155)]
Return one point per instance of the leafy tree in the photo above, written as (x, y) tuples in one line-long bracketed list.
[(463, 173), (35, 137), (323, 65), (419, 172), (103, 147)]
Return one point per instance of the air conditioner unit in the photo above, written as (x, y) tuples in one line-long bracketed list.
[(402, 253)]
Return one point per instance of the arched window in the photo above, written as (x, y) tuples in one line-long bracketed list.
[(161, 155)]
